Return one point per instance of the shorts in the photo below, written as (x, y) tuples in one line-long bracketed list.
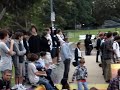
[(16, 66), (21, 69), (54, 52)]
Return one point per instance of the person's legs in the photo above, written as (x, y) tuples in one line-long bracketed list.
[(49, 58), (91, 48), (54, 55), (17, 72), (48, 77), (97, 54), (66, 68), (85, 85), (103, 64), (88, 50), (21, 73), (21, 65), (45, 82), (107, 70), (80, 86), (58, 54)]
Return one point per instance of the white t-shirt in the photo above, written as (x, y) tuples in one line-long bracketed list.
[(31, 73), (116, 48), (50, 39), (79, 53), (6, 60)]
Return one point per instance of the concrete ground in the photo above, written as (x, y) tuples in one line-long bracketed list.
[(94, 71), (95, 77)]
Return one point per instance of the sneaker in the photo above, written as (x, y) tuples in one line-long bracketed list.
[(19, 88), (52, 66), (22, 87), (14, 87)]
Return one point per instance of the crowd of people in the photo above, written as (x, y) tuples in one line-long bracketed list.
[(33, 57), (108, 47)]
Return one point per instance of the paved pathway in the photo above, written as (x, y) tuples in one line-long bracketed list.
[(94, 71), (95, 77)]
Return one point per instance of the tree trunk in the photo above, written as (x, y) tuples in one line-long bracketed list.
[(2, 13)]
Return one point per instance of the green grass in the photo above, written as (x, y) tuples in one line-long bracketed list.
[(74, 34)]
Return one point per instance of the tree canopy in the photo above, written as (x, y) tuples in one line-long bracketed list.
[(23, 13)]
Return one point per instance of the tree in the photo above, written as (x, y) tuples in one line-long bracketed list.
[(22, 13), (105, 9), (13, 10)]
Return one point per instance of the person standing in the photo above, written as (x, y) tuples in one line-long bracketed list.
[(88, 44), (18, 60), (34, 41), (66, 56), (49, 37), (60, 36), (6, 53), (98, 44), (77, 53), (108, 56), (26, 37), (116, 49), (45, 46)]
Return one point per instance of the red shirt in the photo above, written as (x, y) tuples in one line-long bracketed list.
[(83, 80)]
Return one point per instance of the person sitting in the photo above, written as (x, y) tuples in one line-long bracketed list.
[(41, 66), (35, 76), (78, 53), (5, 80)]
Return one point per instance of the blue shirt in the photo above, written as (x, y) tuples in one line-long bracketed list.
[(65, 51)]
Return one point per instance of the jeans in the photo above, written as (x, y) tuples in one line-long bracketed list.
[(84, 85), (107, 69), (66, 68), (46, 83), (98, 52)]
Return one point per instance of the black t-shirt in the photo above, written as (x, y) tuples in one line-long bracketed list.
[(34, 44), (4, 84)]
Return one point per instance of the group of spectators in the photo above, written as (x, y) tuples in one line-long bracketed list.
[(108, 47), (42, 52)]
